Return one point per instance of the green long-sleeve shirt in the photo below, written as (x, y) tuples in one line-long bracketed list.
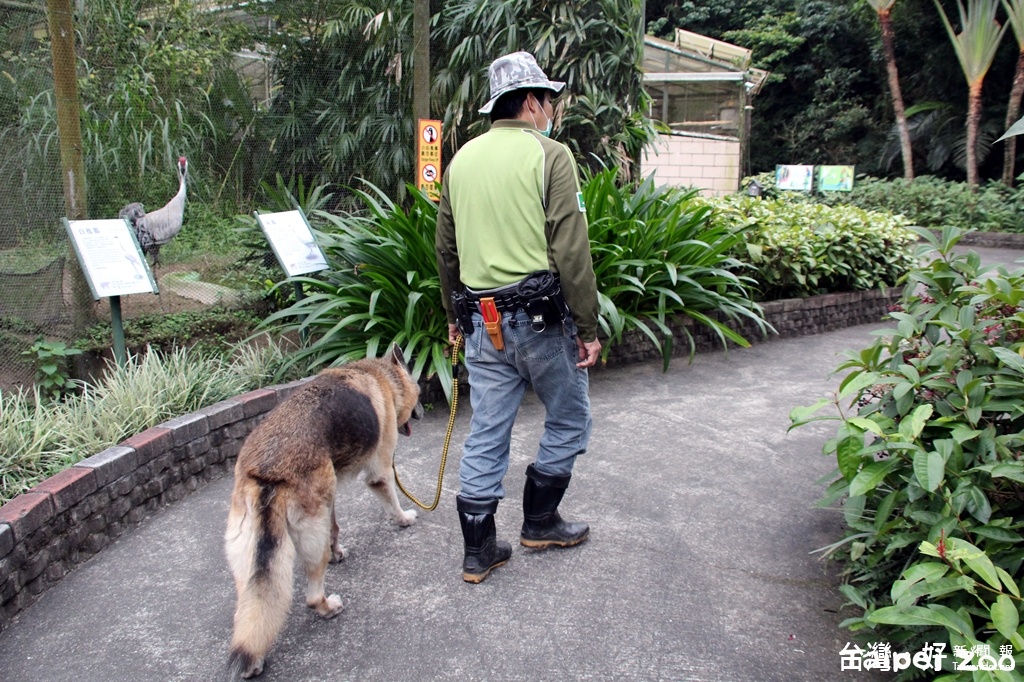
[(511, 205)]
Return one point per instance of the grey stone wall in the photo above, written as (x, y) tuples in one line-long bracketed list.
[(68, 518), (788, 317)]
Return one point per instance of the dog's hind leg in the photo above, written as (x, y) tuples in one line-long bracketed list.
[(312, 538), (337, 551)]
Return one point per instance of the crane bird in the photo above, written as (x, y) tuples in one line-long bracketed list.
[(156, 228)]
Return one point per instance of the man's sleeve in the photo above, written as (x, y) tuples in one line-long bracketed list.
[(446, 252), (569, 241)]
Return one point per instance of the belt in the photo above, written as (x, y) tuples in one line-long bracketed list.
[(506, 299)]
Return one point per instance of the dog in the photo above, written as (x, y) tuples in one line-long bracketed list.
[(344, 421)]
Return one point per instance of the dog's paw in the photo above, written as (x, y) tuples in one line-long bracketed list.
[(255, 669), (407, 518), (338, 554), (326, 607), (334, 606)]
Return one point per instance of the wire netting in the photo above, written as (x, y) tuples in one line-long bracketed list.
[(273, 104), (156, 80)]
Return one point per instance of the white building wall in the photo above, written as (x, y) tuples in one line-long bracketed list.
[(711, 165)]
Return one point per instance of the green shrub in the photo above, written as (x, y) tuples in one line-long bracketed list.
[(50, 359), (926, 201), (932, 202), (657, 255), (930, 470), (799, 248), (382, 288)]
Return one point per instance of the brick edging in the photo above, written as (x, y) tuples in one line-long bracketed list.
[(66, 519)]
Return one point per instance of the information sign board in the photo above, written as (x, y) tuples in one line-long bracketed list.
[(291, 239), (110, 257)]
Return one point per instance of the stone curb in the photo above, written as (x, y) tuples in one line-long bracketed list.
[(66, 519)]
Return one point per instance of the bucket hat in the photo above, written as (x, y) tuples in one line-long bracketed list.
[(514, 72)]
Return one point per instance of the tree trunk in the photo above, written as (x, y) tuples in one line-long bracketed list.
[(973, 119), (1012, 112), (889, 45), (421, 59), (69, 132)]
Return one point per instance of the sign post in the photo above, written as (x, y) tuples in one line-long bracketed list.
[(113, 265), (428, 158)]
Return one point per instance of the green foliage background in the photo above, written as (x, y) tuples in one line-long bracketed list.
[(929, 472)]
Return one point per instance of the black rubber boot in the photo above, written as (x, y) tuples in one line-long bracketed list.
[(483, 552), (542, 525)]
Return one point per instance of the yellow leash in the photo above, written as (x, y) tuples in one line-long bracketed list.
[(447, 435)]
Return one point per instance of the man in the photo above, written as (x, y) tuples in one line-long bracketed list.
[(512, 215)]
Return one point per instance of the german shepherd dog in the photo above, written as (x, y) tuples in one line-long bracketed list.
[(344, 421)]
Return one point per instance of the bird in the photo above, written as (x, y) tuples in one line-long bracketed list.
[(156, 228)]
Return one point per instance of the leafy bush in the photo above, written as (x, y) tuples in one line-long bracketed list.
[(50, 359), (931, 478), (932, 202), (926, 201), (658, 254), (382, 288), (801, 249)]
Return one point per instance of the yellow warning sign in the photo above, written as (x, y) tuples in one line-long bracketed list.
[(428, 156)]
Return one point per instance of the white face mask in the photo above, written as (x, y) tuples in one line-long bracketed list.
[(546, 132)]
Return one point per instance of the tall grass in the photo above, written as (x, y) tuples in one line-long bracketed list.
[(39, 439)]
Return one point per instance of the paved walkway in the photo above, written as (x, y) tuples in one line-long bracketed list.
[(699, 565)]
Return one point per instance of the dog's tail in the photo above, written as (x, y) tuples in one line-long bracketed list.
[(260, 553)]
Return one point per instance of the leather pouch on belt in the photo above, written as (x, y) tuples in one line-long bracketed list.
[(492, 322)]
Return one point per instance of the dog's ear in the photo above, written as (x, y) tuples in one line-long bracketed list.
[(396, 355)]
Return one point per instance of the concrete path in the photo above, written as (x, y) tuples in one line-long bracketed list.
[(700, 564)]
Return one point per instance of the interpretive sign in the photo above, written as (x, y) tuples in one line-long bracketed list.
[(835, 178), (798, 178), (110, 257), (291, 239)]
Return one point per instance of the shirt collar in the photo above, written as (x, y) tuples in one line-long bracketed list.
[(513, 123)]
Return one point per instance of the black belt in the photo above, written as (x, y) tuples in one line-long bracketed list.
[(506, 299)]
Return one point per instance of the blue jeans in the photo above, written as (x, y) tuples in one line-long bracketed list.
[(547, 360)]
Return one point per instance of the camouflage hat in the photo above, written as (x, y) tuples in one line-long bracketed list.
[(514, 72)]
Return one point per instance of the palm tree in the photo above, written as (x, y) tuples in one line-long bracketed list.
[(1015, 11), (975, 48), (882, 8)]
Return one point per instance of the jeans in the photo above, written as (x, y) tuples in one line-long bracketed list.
[(547, 360)]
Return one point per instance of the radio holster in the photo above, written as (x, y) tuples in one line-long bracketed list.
[(463, 309)]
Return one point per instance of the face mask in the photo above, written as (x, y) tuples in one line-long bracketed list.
[(547, 130)]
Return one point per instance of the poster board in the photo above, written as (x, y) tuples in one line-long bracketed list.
[(110, 256), (428, 158), (291, 239), (835, 178), (797, 178)]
